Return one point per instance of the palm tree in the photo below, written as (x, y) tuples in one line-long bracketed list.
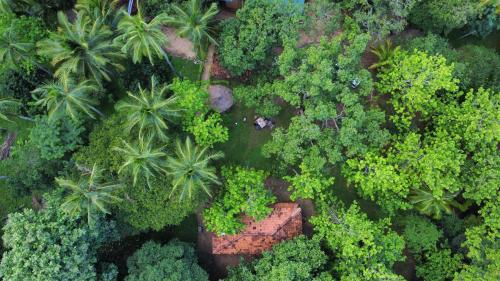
[(88, 195), (190, 170), (84, 48), (6, 106), (142, 39), (107, 10), (195, 24), (142, 159), (384, 53), (428, 204), (67, 98), (149, 110)]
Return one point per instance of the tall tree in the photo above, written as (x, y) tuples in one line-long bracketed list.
[(68, 98), (194, 23), (89, 195), (142, 159), (149, 110), (190, 170), (142, 39), (82, 47)]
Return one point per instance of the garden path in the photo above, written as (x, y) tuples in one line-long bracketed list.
[(177, 46)]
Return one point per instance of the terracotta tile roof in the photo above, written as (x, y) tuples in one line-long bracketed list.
[(284, 222)]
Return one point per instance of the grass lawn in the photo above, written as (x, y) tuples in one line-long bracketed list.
[(187, 68), (245, 142)]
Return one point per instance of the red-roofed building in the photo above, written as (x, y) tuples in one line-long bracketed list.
[(284, 222)]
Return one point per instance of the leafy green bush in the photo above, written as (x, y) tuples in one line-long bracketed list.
[(482, 67), (209, 131), (439, 266), (26, 170), (260, 96), (420, 234), (299, 259), (55, 138), (175, 261), (247, 40), (442, 16), (244, 193), (152, 208), (50, 245), (18, 84), (103, 137), (192, 98)]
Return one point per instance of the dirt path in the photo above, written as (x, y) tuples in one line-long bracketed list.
[(208, 63), (178, 46)]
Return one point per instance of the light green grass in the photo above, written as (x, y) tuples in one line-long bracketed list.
[(187, 68)]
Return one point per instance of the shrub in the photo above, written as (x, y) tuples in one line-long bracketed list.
[(482, 67), (175, 261), (247, 40), (18, 84), (439, 266), (55, 138), (261, 97), (209, 131), (420, 234)]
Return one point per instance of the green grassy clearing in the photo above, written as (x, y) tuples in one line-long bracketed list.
[(187, 68)]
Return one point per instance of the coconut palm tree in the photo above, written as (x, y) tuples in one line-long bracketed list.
[(142, 159), (149, 110), (195, 24), (88, 195), (190, 170), (6, 106), (82, 48), (68, 97), (141, 39), (107, 10), (428, 204)]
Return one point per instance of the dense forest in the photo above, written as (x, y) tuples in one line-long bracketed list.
[(131, 131)]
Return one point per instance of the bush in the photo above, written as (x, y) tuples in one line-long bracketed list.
[(244, 193), (420, 234), (106, 135), (482, 67), (209, 131), (18, 84), (153, 207), (175, 261), (192, 98), (439, 266), (55, 138), (141, 73), (261, 97), (442, 16), (247, 40), (51, 245)]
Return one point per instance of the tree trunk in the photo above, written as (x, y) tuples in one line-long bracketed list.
[(5, 148)]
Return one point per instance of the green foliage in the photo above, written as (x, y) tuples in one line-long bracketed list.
[(26, 170), (50, 245), (364, 249), (153, 208), (56, 138), (309, 183), (18, 85), (149, 110), (415, 82), (194, 23), (141, 73), (261, 97), (83, 47), (151, 8), (175, 261), (299, 259), (141, 39), (8, 108), (420, 234), (89, 195), (247, 40), (384, 52), (486, 23), (141, 159), (190, 170), (323, 17), (482, 67), (244, 193), (209, 131), (192, 98), (442, 16), (439, 266), (17, 43), (380, 17), (104, 136)]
